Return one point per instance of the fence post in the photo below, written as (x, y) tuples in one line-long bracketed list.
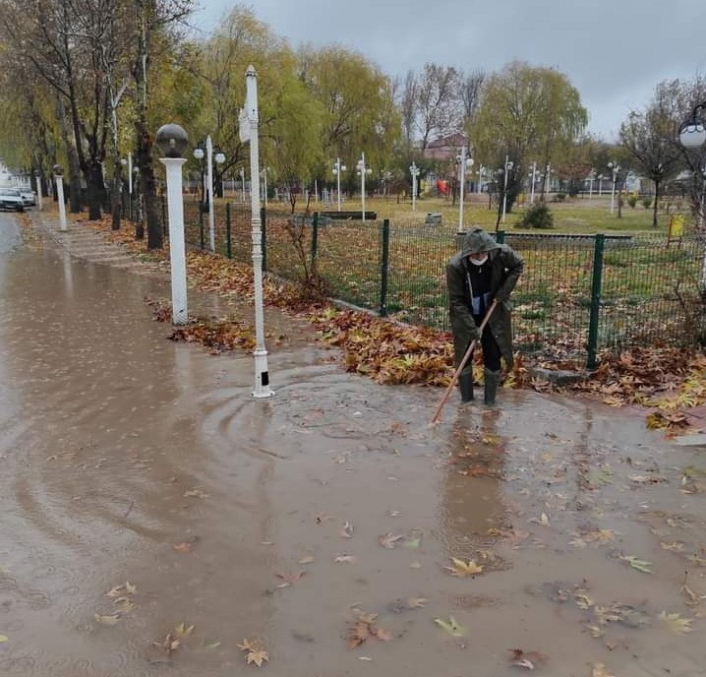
[(229, 246), (500, 237), (384, 266), (201, 233), (263, 227), (595, 301), (314, 240)]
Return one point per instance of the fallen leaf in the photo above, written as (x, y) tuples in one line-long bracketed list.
[(596, 632), (111, 619), (255, 653), (184, 548), (527, 659), (3, 639), (639, 564), (196, 493), (675, 623), (290, 578), (306, 560), (389, 540), (347, 530), (344, 559), (464, 569), (416, 602), (673, 547), (123, 588), (451, 626), (544, 519), (183, 630), (599, 670)]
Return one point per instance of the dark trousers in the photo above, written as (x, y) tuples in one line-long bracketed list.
[(491, 351)]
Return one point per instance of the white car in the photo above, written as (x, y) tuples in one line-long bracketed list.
[(10, 198), (28, 197)]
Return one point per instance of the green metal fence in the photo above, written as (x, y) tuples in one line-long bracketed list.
[(578, 296)]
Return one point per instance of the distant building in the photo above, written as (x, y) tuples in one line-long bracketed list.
[(445, 148)]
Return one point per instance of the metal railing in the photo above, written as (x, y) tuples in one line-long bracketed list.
[(579, 295)]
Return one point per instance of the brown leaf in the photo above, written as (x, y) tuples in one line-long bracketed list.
[(527, 659), (254, 652)]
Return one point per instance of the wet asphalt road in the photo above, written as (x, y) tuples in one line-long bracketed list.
[(125, 457)]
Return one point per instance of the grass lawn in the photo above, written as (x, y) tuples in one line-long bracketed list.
[(578, 215)]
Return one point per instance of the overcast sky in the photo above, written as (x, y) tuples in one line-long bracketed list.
[(613, 51)]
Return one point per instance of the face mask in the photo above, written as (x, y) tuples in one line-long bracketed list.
[(479, 262)]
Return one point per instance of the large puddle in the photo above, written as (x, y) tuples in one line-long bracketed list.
[(144, 491)]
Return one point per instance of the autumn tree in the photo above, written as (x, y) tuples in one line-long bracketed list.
[(526, 112), (648, 136)]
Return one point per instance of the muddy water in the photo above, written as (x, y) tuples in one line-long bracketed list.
[(293, 516)]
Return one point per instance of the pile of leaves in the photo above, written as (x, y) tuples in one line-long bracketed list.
[(670, 381)]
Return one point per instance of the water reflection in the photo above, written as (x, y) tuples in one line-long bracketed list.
[(471, 497)]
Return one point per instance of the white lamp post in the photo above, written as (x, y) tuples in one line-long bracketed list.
[(615, 167), (363, 169), (534, 181), (38, 178), (414, 171), (241, 173), (337, 169), (506, 170), (600, 178), (59, 178), (591, 177), (464, 163), (249, 122), (481, 176), (171, 140)]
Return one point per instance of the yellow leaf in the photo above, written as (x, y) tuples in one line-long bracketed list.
[(451, 626), (3, 639), (107, 620), (599, 670), (258, 657), (464, 569), (675, 623)]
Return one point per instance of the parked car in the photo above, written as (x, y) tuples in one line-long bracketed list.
[(28, 197), (10, 198)]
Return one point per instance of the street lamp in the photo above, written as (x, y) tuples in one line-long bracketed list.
[(337, 169), (591, 178), (506, 170), (481, 175), (172, 140), (59, 178), (615, 167), (464, 162), (534, 181), (414, 171), (241, 174), (692, 133), (600, 178), (692, 136), (38, 177), (363, 169)]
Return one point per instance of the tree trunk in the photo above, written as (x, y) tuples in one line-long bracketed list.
[(148, 186), (95, 191), (655, 205), (74, 168), (116, 196)]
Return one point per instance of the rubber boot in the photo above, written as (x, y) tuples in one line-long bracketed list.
[(465, 385), (491, 380)]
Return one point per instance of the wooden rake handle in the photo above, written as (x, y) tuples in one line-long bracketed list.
[(466, 357)]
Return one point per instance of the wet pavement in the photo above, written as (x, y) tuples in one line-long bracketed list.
[(142, 488)]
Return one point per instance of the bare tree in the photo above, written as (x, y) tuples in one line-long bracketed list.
[(437, 102), (470, 90), (647, 136)]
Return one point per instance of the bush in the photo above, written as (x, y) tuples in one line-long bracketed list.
[(560, 197), (646, 202), (537, 216), (632, 201)]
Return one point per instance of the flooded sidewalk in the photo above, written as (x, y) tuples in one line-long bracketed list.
[(158, 520)]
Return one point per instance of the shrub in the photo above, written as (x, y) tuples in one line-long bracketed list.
[(560, 197), (632, 201), (646, 202), (537, 216)]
